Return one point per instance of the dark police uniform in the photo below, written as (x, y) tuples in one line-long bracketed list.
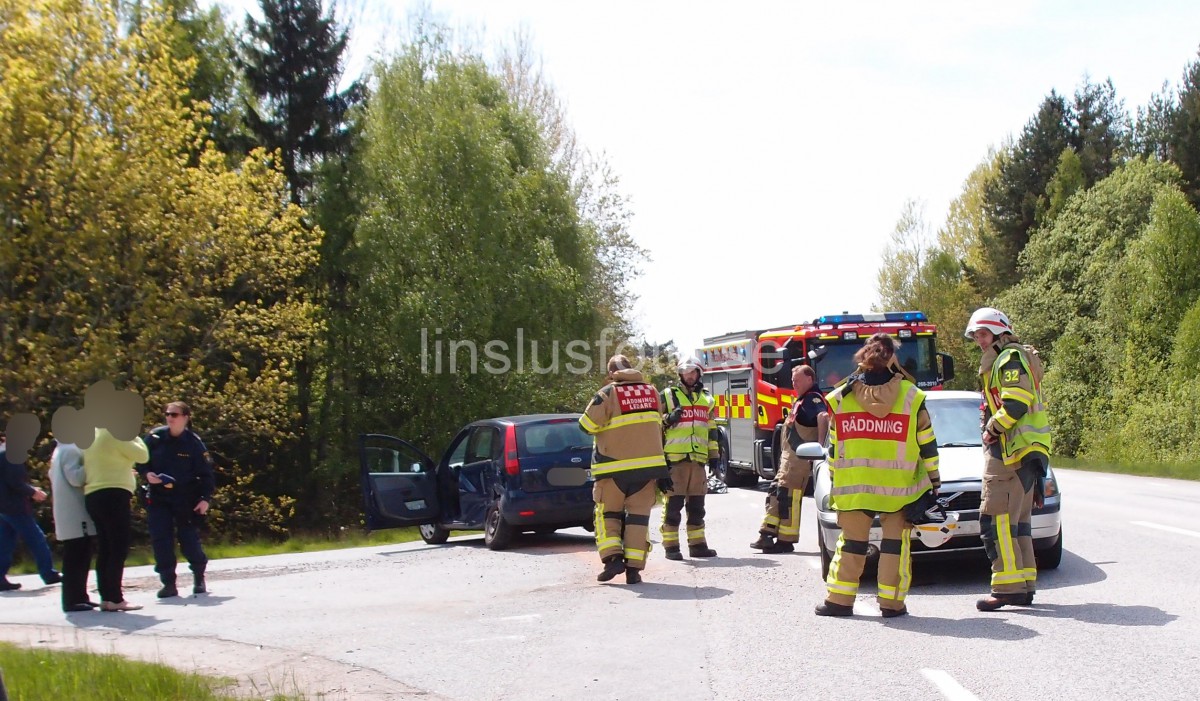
[(169, 513)]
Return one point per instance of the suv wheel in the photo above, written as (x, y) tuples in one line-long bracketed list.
[(433, 534), (1051, 557), (497, 533)]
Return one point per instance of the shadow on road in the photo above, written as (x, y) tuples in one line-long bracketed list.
[(1102, 614), (965, 628), (973, 575), (127, 621), (204, 600), (753, 562), (676, 592)]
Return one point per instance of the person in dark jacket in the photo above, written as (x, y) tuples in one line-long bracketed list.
[(17, 496), (181, 482)]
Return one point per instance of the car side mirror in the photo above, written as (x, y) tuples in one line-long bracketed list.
[(811, 451), (947, 366)]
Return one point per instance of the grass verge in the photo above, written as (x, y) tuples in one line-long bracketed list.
[(55, 675), (1148, 469), (299, 543)]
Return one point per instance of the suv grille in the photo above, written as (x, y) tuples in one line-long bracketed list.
[(965, 501)]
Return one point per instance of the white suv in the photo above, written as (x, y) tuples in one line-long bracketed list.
[(955, 417)]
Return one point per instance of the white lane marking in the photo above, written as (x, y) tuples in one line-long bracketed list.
[(523, 617), (1168, 529), (946, 684), (517, 638)]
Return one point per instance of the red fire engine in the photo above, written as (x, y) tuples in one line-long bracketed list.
[(749, 376)]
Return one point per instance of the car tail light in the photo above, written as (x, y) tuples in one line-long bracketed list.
[(525, 513), (511, 464), (1050, 487)]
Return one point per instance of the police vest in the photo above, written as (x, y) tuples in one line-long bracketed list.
[(877, 462), (690, 438), (1031, 433)]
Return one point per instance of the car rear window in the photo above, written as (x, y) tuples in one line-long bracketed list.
[(547, 438)]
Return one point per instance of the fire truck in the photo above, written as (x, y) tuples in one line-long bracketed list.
[(749, 374)]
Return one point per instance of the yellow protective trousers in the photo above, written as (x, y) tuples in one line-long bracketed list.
[(782, 519), (1005, 525), (895, 559), (623, 521)]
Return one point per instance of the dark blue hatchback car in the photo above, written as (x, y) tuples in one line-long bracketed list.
[(502, 476)]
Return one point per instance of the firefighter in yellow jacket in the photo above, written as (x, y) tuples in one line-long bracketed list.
[(626, 420), (1016, 437), (806, 422), (884, 458), (690, 441)]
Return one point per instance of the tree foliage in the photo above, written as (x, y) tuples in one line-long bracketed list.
[(133, 253)]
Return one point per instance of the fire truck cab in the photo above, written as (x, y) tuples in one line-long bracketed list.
[(749, 374)]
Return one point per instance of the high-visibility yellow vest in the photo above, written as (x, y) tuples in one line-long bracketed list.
[(689, 439), (876, 461), (1031, 432)]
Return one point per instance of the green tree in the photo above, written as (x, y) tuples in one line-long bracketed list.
[(293, 63), (1183, 147), (128, 259), (1068, 179)]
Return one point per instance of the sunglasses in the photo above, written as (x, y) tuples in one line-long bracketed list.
[(173, 414)]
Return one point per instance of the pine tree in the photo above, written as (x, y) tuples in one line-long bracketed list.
[(293, 63)]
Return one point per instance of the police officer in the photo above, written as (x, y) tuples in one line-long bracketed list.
[(627, 460), (807, 422), (1016, 435), (181, 482), (884, 457), (690, 442)]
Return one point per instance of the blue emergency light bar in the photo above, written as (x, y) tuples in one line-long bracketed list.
[(836, 319)]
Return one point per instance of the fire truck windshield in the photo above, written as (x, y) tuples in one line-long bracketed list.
[(916, 355)]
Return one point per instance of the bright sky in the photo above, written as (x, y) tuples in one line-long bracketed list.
[(760, 141)]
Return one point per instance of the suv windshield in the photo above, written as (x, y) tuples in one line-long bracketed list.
[(916, 355), (546, 438), (955, 421)]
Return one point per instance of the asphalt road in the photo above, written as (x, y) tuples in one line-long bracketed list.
[(1119, 619)]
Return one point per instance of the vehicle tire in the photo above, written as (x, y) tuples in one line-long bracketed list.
[(497, 533), (433, 533), (1051, 557), (826, 558)]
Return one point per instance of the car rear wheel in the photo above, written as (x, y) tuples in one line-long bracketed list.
[(497, 533), (1051, 557), (433, 534)]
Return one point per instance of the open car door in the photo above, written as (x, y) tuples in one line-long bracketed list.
[(399, 482)]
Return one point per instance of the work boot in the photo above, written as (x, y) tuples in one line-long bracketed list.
[(168, 590), (831, 609), (613, 566), (892, 613), (1028, 600), (996, 601), (701, 551), (53, 578), (6, 585), (198, 583), (674, 554), (764, 541), (633, 575), (779, 546)]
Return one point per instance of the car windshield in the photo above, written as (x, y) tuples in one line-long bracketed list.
[(955, 421), (546, 438)]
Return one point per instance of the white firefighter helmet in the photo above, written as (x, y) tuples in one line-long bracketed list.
[(988, 318), (690, 363), (936, 533)]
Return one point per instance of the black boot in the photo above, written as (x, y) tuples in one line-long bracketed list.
[(764, 541), (830, 609), (198, 583), (674, 554), (701, 551), (996, 601), (613, 566), (633, 575), (6, 585), (779, 546), (168, 590)]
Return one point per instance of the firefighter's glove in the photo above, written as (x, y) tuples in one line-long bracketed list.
[(665, 485), (675, 416)]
